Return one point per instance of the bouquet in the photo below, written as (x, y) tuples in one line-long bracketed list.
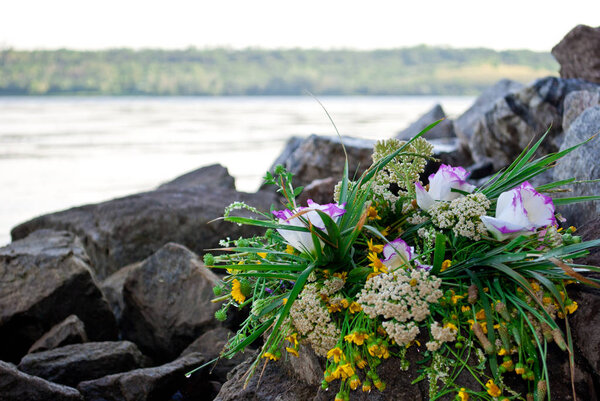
[(475, 277)]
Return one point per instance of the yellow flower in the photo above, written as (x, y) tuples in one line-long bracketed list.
[(354, 307), (345, 371), (535, 286), (342, 275), (446, 264), (379, 384), (463, 395), (357, 338), (492, 389), (480, 315), (385, 231), (572, 307), (508, 365), (335, 353), (573, 229), (292, 351), (413, 282), (262, 254), (236, 291), (293, 339), (345, 303), (289, 249), (284, 301), (372, 214), (502, 352), (366, 387), (456, 298), (451, 326), (354, 382), (547, 300), (336, 307), (361, 363), (374, 248), (270, 356), (465, 308)]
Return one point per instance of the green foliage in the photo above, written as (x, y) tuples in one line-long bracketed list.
[(420, 70)]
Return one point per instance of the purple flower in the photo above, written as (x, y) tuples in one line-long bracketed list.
[(519, 212), (396, 253), (441, 185), (301, 240)]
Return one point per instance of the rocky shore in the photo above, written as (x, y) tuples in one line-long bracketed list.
[(111, 301)]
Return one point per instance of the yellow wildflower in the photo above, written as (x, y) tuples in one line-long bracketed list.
[(336, 307), (354, 307), (335, 353), (571, 307), (508, 364), (344, 371), (293, 339), (573, 229), (451, 326), (492, 389), (284, 301), (357, 338), (547, 300), (379, 384), (385, 232), (374, 248), (292, 351), (270, 356), (463, 395), (361, 363), (480, 315), (289, 249), (345, 303), (342, 275), (354, 382), (376, 263), (502, 352), (236, 291), (456, 298), (262, 254), (372, 214), (535, 286), (446, 264), (366, 387), (465, 308)]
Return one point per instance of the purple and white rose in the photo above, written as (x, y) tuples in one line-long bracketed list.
[(301, 240), (441, 185), (520, 211)]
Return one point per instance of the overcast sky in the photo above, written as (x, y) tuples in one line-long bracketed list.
[(366, 24)]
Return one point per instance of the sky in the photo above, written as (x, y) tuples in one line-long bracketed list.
[(367, 24)]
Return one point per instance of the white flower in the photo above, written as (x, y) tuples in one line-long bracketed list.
[(441, 185), (396, 253), (519, 212), (302, 240)]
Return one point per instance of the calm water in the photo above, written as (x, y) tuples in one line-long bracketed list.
[(56, 153)]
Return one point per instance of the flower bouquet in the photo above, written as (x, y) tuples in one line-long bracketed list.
[(474, 277)]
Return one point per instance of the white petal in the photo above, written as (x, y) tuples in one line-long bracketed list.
[(424, 200), (540, 209), (510, 209), (502, 229)]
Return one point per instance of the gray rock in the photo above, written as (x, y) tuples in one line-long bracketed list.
[(149, 384), (521, 117), (464, 126), (585, 323), (210, 345), (444, 129), (581, 164), (575, 104), (75, 363), (318, 157), (214, 175), (119, 232), (167, 302), (69, 331), (43, 279), (589, 231), (19, 386), (578, 54), (320, 191), (112, 288)]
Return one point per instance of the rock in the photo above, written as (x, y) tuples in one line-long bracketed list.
[(69, 331), (449, 152), (167, 302), (581, 164), (210, 345), (19, 386), (575, 104), (119, 232), (44, 278), (149, 384), (590, 231), (521, 117), (214, 175), (72, 364), (318, 157), (578, 54), (559, 372), (585, 323), (444, 129), (112, 288), (464, 126), (320, 191)]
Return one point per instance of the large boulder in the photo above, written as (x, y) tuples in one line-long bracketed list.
[(318, 157), (576, 103), (167, 302), (149, 384), (582, 165), (126, 230), (518, 118), (18, 386), (465, 125), (585, 324), (444, 129), (579, 54), (69, 331), (75, 363), (46, 277), (215, 176)]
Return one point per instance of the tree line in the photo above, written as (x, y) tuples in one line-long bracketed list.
[(420, 70)]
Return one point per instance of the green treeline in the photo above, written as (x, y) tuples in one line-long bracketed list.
[(420, 70)]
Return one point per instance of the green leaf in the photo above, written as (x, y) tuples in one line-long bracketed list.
[(438, 253)]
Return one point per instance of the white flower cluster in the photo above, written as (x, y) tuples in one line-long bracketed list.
[(462, 215), (312, 321), (403, 297), (440, 335), (331, 286)]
